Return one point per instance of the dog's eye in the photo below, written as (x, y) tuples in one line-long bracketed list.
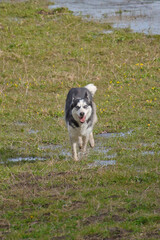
[(77, 107), (85, 106)]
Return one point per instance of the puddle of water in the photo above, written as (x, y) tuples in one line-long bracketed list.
[(104, 151), (49, 147), (19, 123), (148, 144), (101, 150), (65, 153), (112, 156), (20, 159), (107, 31), (149, 153), (31, 131), (140, 16), (121, 134), (108, 135), (103, 163), (16, 20)]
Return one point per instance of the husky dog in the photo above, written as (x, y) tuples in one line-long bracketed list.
[(80, 117)]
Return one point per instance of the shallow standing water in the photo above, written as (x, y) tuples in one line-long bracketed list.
[(138, 15)]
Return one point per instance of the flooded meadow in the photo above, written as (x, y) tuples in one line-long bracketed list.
[(140, 16)]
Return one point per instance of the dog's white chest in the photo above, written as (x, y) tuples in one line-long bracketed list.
[(83, 130)]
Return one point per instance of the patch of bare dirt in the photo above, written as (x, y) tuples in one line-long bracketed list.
[(52, 174), (96, 218), (76, 205), (154, 234), (118, 233), (113, 196), (4, 224), (93, 237), (115, 233), (4, 228), (118, 218), (60, 238)]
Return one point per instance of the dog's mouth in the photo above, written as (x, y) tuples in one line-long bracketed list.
[(82, 119)]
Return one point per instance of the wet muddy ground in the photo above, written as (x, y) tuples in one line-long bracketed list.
[(139, 16), (105, 155)]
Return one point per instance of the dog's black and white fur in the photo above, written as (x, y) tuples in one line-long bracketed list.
[(80, 117)]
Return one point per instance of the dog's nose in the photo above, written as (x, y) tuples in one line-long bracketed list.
[(81, 114)]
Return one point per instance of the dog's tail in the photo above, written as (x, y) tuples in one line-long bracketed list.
[(92, 88)]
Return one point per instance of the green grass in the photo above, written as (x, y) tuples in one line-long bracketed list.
[(43, 54)]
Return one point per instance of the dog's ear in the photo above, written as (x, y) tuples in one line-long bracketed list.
[(87, 96), (73, 99)]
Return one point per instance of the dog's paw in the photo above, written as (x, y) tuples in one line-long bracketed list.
[(75, 158)]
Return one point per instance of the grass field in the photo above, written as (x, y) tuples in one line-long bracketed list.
[(113, 192)]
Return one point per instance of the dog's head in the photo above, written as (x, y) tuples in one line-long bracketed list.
[(81, 108)]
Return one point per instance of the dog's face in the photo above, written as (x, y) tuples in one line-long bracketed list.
[(81, 110)]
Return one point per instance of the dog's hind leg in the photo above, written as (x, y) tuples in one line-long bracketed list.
[(80, 142), (91, 140)]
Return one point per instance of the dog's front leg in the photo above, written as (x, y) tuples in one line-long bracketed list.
[(86, 138), (91, 140), (80, 142), (74, 151)]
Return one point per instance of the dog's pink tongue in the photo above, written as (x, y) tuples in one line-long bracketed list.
[(82, 120)]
